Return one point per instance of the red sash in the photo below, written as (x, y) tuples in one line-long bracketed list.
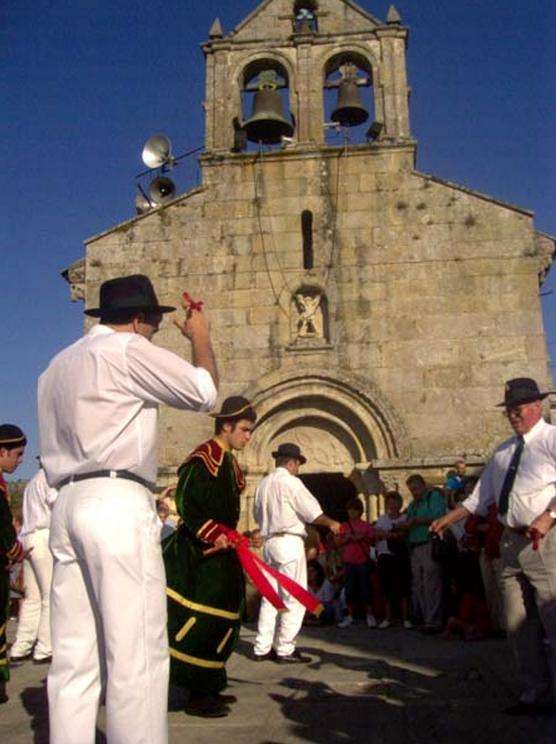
[(256, 568)]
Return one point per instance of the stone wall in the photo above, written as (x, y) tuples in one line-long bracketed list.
[(431, 290), (386, 351)]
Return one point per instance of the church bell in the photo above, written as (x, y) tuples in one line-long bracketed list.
[(349, 111), (267, 123)]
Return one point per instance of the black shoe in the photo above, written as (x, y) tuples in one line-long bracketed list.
[(270, 656), (46, 660), (3, 695), (530, 709), (15, 659), (294, 658), (207, 706), (226, 699)]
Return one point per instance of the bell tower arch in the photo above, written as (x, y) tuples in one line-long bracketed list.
[(305, 42)]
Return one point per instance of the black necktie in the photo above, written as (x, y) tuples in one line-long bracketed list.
[(509, 479)]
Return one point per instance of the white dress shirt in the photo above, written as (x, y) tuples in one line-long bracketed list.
[(98, 403), (284, 504), (38, 498), (534, 488)]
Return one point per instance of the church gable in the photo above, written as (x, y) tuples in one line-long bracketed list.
[(276, 19)]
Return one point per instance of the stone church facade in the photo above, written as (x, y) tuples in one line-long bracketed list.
[(372, 312)]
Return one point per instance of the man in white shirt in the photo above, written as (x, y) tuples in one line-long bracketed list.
[(33, 627), (98, 404), (283, 506), (521, 479)]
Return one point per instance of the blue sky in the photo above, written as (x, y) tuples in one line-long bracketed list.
[(84, 84)]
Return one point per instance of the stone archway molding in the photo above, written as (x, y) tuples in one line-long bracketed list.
[(347, 407)]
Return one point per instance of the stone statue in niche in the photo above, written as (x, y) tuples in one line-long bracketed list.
[(310, 319)]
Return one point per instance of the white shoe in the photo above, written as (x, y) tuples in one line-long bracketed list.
[(371, 622), (384, 624), (407, 624), (346, 622)]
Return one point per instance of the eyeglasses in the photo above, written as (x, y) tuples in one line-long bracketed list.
[(516, 411)]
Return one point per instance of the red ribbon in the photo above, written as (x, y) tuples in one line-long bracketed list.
[(191, 303), (254, 568), (536, 537)]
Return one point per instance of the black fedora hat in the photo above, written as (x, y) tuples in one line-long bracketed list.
[(288, 449), (124, 293), (234, 406), (521, 390)]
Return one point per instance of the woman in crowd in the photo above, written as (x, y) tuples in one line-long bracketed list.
[(355, 540)]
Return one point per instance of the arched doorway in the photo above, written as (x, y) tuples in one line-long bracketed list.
[(338, 421), (333, 491)]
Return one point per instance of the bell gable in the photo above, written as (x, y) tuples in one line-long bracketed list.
[(280, 19)]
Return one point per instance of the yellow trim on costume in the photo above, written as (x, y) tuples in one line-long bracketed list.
[(195, 661), (186, 628), (209, 532), (3, 662), (206, 524), (3, 628), (224, 641), (200, 607)]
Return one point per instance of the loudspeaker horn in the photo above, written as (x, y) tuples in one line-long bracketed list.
[(161, 190), (142, 204), (157, 151)]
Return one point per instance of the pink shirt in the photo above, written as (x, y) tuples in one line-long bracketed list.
[(357, 552)]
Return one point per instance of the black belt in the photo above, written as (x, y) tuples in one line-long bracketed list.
[(125, 474)]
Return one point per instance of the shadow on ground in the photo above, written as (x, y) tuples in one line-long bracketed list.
[(416, 690), (35, 702)]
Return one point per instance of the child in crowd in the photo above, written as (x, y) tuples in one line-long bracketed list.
[(324, 591), (355, 540), (393, 560)]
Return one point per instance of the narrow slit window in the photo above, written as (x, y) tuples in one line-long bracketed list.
[(307, 234)]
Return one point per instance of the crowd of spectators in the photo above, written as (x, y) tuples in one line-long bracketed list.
[(394, 571)]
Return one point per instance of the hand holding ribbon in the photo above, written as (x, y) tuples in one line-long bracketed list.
[(256, 568)]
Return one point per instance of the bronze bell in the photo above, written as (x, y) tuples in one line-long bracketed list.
[(349, 111), (267, 123)]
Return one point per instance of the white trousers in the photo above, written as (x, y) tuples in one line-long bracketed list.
[(33, 628), (108, 613), (286, 553)]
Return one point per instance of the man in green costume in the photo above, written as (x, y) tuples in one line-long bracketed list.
[(12, 447), (205, 584)]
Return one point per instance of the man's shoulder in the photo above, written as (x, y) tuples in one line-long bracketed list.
[(96, 343), (209, 453)]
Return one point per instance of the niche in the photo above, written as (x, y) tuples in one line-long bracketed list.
[(309, 317)]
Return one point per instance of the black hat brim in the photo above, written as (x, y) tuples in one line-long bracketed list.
[(96, 312), (521, 401), (301, 458)]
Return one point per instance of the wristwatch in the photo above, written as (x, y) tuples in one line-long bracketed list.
[(551, 513)]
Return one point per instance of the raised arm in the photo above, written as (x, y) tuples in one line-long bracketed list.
[(196, 328)]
